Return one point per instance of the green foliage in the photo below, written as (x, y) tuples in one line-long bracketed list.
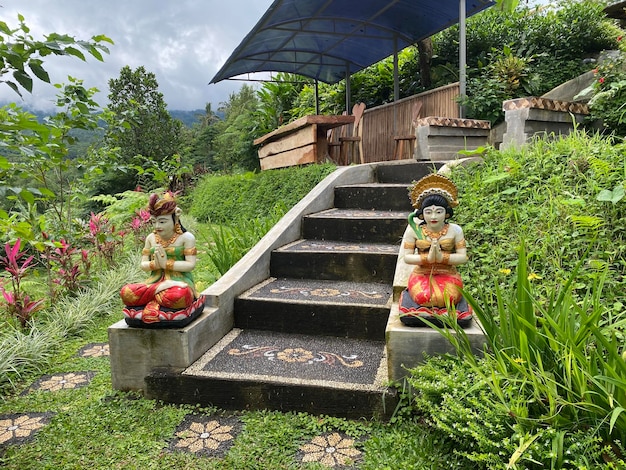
[(199, 142), (26, 352), (21, 55), (122, 207), (233, 146), (228, 199), (551, 388), (245, 207), (551, 41), (230, 244), (276, 101), (608, 103), (549, 189), (455, 401)]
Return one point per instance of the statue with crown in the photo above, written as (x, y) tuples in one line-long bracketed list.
[(435, 247), (168, 298)]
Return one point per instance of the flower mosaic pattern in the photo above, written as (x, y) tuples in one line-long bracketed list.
[(94, 350), (377, 248), (205, 435), (331, 450), (328, 293), (297, 355), (56, 382), (16, 429)]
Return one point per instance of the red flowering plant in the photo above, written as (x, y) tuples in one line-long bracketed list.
[(18, 304), (608, 104), (140, 226), (105, 239), (70, 265)]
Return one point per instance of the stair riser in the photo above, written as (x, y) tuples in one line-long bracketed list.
[(406, 173), (250, 395), (348, 321), (354, 267), (383, 198), (356, 230)]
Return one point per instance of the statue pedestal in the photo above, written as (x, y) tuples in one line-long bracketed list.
[(135, 352), (407, 346)]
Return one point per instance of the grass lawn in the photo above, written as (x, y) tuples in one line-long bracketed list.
[(83, 423), (67, 416)]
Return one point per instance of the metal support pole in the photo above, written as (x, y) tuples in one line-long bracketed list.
[(462, 56), (317, 97), (347, 88), (396, 84)]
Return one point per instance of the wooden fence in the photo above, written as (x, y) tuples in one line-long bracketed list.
[(382, 123)]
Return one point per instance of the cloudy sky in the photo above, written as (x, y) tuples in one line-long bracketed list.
[(183, 42)]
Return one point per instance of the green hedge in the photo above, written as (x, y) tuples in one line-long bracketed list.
[(228, 199)]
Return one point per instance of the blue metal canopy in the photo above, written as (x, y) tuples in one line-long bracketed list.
[(329, 40)]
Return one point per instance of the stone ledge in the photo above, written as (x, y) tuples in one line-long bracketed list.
[(547, 104), (453, 122)]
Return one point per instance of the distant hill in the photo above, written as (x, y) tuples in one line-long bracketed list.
[(188, 118)]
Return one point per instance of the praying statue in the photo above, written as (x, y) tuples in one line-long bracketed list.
[(168, 298), (435, 247)]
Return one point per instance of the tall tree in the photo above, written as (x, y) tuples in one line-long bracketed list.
[(151, 136), (233, 146)]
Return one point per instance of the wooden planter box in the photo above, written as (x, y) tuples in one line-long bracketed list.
[(299, 142)]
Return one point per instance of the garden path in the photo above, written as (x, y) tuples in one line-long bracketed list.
[(204, 435)]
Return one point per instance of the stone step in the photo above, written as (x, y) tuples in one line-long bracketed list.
[(251, 369), (356, 225), (335, 260), (374, 196), (317, 307), (405, 172)]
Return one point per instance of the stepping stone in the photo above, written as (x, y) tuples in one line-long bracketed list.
[(19, 428), (332, 450), (94, 350), (63, 381), (209, 436)]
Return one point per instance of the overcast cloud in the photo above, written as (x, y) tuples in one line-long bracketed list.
[(183, 42)]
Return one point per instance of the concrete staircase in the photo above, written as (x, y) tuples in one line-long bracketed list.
[(311, 336)]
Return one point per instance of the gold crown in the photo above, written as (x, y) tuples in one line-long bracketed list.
[(433, 184)]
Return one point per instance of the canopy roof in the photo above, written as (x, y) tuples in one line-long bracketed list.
[(330, 39)]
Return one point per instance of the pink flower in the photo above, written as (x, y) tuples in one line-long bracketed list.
[(144, 214), (94, 223), (619, 38), (10, 261), (9, 297), (601, 80), (136, 223)]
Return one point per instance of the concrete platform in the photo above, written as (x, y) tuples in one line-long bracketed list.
[(134, 352), (407, 346)]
